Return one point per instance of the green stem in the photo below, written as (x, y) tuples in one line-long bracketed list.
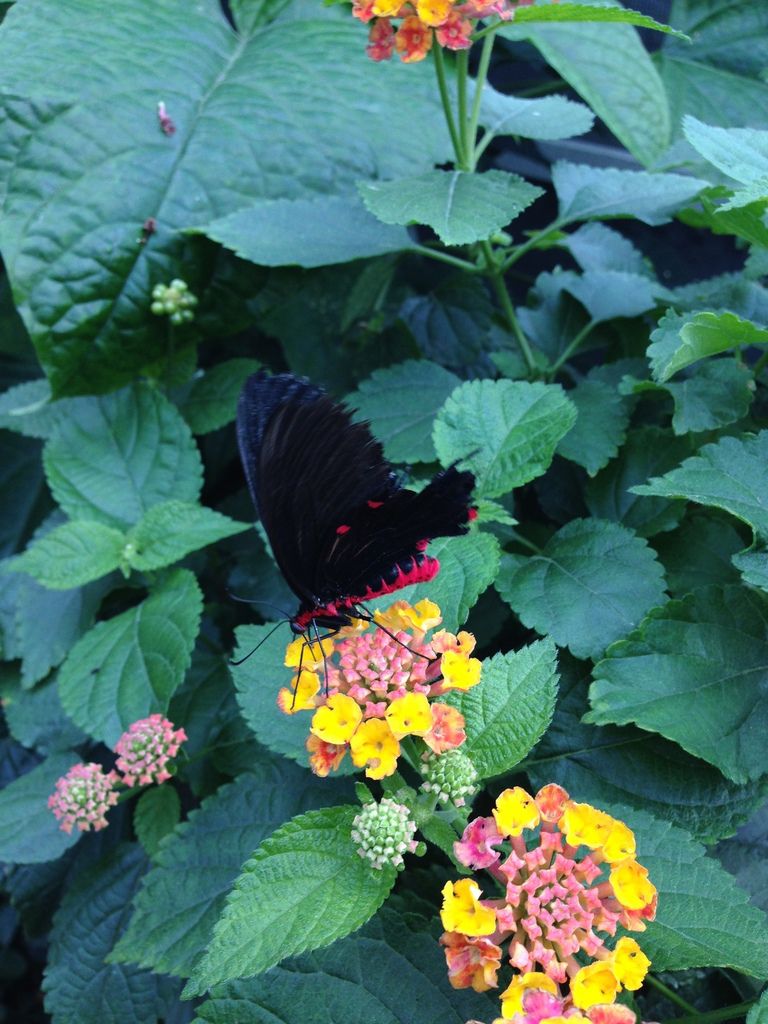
[(462, 74), (532, 242), (713, 1016), (759, 366), (445, 99), (474, 120), (571, 348), (497, 280), (672, 996), (445, 257)]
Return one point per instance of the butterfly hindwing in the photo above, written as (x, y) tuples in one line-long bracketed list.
[(340, 524)]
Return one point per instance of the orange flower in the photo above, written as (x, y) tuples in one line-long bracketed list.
[(413, 40)]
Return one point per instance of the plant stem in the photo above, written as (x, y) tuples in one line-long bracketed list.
[(467, 145), (760, 364), (672, 996), (571, 347), (532, 242), (480, 79), (445, 99), (496, 276), (713, 1016), (445, 257)]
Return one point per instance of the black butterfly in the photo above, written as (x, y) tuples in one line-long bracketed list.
[(343, 530)]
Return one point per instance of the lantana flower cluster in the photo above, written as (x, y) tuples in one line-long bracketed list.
[(569, 877), (84, 795), (381, 679), (421, 21)]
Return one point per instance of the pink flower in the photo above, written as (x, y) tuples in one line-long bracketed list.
[(381, 39), (455, 32), (146, 748), (83, 796), (475, 848)]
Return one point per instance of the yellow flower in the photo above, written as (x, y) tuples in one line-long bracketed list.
[(512, 997), (387, 8), (462, 911), (620, 843), (584, 825), (410, 715), (375, 745), (564, 1020), (425, 615), (594, 984), (433, 12), (337, 719), (460, 672), (397, 616), (630, 964), (515, 810), (300, 696), (313, 653), (631, 885), (444, 641)]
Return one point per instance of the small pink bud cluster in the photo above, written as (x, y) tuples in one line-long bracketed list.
[(146, 748), (83, 796)]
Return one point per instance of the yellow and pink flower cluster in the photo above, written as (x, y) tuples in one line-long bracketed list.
[(420, 21), (564, 888), (379, 688)]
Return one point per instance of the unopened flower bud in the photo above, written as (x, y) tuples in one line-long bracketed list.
[(450, 776), (384, 832)]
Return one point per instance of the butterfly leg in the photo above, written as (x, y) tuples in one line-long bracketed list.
[(368, 617)]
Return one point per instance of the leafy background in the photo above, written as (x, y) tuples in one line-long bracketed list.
[(616, 577)]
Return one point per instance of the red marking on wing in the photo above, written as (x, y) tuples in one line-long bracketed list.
[(471, 514), (342, 529), (374, 504)]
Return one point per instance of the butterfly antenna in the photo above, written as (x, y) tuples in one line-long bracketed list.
[(258, 645), (267, 604)]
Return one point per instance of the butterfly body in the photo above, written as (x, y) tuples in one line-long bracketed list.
[(342, 528)]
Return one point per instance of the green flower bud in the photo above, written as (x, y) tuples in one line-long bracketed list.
[(450, 776), (174, 300), (384, 832)]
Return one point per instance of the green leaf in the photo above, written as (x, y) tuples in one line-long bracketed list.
[(78, 985), (29, 833), (27, 409), (624, 765), (741, 153), (581, 12), (759, 1012), (460, 206), (585, 192), (21, 475), (36, 719), (71, 554), (183, 895), (718, 393), (505, 431), (548, 117), (753, 566), (611, 494), (305, 886), (156, 815), (729, 474), (592, 583), (118, 455), (169, 531), (705, 652), (312, 232), (400, 402), (83, 285), (610, 69), (468, 566), (679, 340), (508, 712), (699, 552), (211, 401), (744, 857), (353, 981), (600, 428), (607, 294), (595, 246), (129, 666), (703, 918)]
